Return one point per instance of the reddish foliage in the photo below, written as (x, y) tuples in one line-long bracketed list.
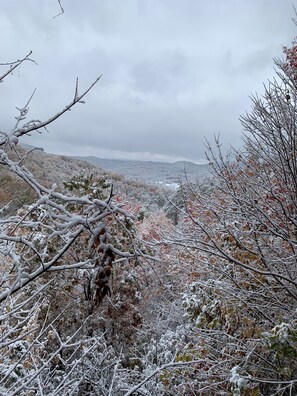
[(291, 60)]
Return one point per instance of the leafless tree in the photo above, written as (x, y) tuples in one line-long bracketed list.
[(241, 230), (58, 232)]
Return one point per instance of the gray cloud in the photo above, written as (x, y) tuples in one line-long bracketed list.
[(174, 72)]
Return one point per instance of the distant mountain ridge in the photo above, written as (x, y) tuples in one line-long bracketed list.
[(160, 173)]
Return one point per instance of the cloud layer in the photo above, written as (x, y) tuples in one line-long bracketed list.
[(174, 72)]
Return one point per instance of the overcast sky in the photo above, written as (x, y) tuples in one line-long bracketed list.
[(173, 71)]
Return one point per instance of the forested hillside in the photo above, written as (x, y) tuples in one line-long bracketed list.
[(50, 169), (113, 287)]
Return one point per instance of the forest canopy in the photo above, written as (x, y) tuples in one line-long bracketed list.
[(105, 292)]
